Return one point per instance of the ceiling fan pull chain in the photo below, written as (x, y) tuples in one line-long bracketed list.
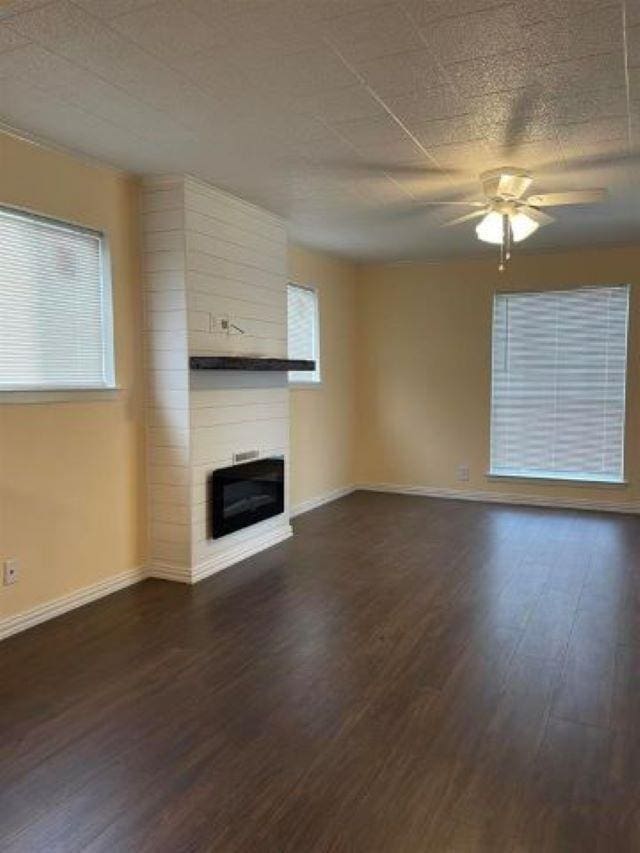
[(503, 243)]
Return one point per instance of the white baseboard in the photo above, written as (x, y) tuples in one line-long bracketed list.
[(327, 497), (240, 551), (50, 609), (169, 572), (626, 507)]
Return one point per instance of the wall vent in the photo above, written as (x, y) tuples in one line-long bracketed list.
[(245, 456)]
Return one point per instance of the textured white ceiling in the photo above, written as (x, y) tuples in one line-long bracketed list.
[(269, 98)]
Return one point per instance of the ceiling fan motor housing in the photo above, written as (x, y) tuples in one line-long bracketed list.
[(507, 182)]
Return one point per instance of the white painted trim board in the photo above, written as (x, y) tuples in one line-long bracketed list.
[(64, 603), (319, 500), (49, 610), (240, 551), (626, 507), (19, 622)]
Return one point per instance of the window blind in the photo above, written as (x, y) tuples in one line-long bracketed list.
[(55, 306), (303, 333), (559, 365)]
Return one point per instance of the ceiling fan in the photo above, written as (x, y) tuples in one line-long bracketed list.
[(507, 216)]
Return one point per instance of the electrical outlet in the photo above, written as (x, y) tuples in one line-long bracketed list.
[(220, 325), (10, 572), (463, 473)]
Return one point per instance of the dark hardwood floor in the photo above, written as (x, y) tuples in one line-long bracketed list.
[(404, 675)]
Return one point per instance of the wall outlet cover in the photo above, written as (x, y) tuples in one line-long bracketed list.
[(10, 572), (220, 325)]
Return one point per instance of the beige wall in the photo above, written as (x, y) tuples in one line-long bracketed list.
[(404, 399), (323, 417), (424, 368), (71, 474)]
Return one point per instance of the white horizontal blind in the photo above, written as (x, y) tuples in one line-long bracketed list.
[(558, 383), (55, 306), (303, 332)]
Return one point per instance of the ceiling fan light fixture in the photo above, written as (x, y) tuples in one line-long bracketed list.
[(489, 229), (522, 225)]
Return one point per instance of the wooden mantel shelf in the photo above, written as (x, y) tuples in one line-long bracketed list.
[(234, 362)]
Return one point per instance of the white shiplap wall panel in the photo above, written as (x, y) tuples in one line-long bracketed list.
[(164, 240), (163, 260), (170, 342), (200, 323), (165, 321), (164, 220), (205, 441), (209, 265), (178, 419), (238, 396), (171, 554), (236, 267), (198, 223), (167, 280), (214, 415), (158, 199), (200, 473), (167, 376), (168, 380), (172, 514), (206, 343), (158, 397), (167, 436), (173, 457), (204, 551), (218, 247), (165, 359), (233, 211), (168, 475), (208, 255), (254, 292), (204, 250), (270, 310), (165, 300), (165, 494)]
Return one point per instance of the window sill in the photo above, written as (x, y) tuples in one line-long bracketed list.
[(551, 480), (295, 386), (61, 395)]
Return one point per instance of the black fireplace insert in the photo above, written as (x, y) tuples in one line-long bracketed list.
[(242, 495)]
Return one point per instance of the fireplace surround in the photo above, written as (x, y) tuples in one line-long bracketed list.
[(211, 258)]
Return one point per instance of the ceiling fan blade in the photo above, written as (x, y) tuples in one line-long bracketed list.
[(473, 215), (425, 203), (571, 197), (538, 216), (398, 212)]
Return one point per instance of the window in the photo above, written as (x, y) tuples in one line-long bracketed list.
[(303, 331), (558, 384), (55, 306)]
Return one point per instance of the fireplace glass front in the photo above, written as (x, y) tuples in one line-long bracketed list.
[(242, 495)]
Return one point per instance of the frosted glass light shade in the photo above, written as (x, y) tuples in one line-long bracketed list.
[(489, 229), (522, 226)]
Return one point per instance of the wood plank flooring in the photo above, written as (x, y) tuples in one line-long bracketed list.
[(404, 675)]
